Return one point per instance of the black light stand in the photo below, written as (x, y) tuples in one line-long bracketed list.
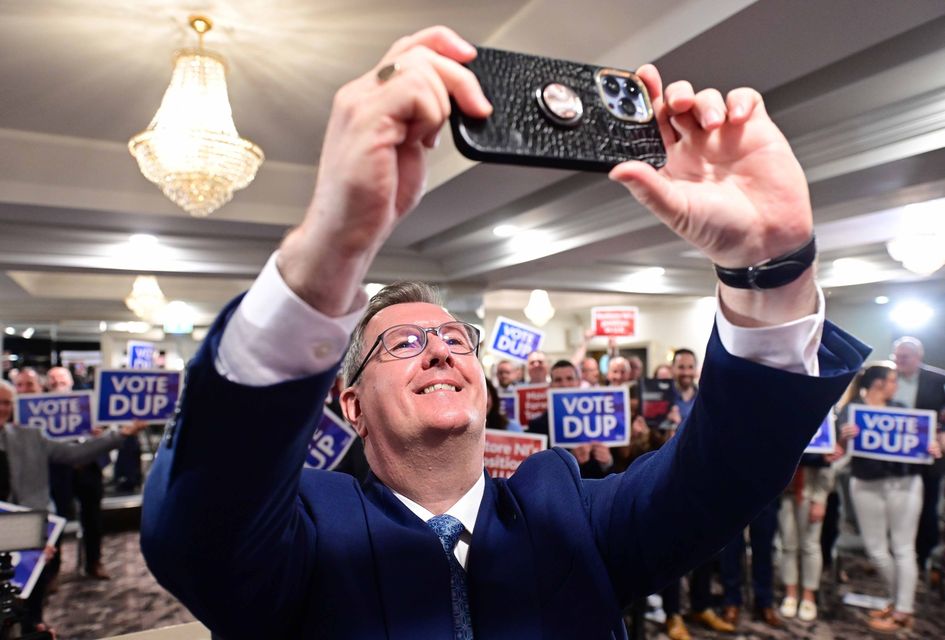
[(19, 531)]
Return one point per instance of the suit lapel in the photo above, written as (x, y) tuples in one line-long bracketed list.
[(412, 570), (502, 593)]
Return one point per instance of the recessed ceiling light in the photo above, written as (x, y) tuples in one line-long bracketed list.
[(505, 230), (9, 331), (28, 332), (881, 300)]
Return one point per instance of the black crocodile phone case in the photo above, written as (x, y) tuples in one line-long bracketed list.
[(519, 132)]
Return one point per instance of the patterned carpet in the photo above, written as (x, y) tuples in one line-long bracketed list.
[(132, 601), (836, 621)]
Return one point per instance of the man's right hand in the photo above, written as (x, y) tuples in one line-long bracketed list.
[(373, 163)]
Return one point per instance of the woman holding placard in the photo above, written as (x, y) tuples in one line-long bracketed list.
[(887, 498)]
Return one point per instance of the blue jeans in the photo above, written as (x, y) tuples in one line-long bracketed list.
[(761, 532)]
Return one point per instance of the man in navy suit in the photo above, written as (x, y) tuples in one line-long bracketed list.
[(430, 546)]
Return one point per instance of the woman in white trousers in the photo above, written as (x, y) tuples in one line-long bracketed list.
[(887, 497), (803, 506)]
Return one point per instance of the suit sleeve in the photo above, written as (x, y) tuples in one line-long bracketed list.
[(82, 452), (737, 451), (223, 527)]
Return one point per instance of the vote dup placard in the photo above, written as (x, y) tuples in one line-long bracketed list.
[(131, 394), (891, 433), (515, 340), (330, 442), (61, 416), (140, 355), (507, 405), (594, 414), (825, 440)]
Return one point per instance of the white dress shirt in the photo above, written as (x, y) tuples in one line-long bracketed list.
[(274, 336), (465, 510)]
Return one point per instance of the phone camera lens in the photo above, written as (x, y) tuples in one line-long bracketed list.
[(628, 106), (610, 84), (632, 89)]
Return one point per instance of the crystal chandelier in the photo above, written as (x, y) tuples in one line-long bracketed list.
[(146, 299), (191, 149)]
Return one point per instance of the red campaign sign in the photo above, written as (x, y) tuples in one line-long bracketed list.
[(614, 321), (532, 402), (505, 450)]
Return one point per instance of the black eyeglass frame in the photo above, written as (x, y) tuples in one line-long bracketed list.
[(424, 331)]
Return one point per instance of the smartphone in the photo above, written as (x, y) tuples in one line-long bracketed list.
[(555, 113)]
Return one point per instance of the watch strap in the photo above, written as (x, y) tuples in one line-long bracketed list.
[(772, 273)]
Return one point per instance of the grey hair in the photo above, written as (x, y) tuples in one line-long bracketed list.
[(915, 343), (397, 293)]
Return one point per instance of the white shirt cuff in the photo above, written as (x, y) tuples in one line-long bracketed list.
[(275, 336), (791, 346)]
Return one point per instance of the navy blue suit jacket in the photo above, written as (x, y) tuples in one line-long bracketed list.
[(256, 547)]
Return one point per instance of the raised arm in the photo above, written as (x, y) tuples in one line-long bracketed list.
[(373, 165), (223, 527), (82, 452), (734, 190)]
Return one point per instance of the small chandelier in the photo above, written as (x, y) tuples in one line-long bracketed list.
[(539, 310), (191, 149), (146, 299), (919, 244)]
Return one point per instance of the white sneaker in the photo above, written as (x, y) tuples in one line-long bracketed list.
[(788, 607), (808, 611)]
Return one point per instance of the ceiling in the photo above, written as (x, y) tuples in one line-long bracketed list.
[(857, 87)]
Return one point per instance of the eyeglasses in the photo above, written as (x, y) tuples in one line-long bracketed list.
[(408, 340)]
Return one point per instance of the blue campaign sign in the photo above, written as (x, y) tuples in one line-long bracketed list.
[(131, 394), (514, 339), (61, 415), (891, 433), (330, 442), (825, 440), (28, 565), (140, 354), (507, 405), (594, 414)]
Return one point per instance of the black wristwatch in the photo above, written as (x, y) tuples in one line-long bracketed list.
[(772, 273)]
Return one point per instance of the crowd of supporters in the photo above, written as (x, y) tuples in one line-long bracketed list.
[(894, 507)]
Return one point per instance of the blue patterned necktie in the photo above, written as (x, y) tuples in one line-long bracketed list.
[(448, 528)]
